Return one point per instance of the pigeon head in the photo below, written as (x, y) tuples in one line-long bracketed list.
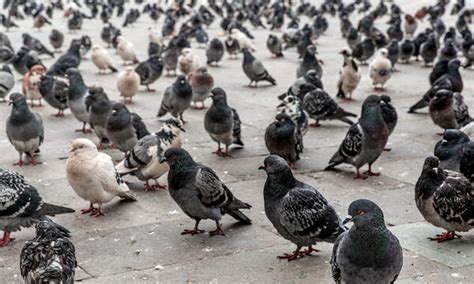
[(17, 100), (174, 125), (6, 68), (218, 95), (365, 214), (312, 76), (275, 165), (202, 70), (410, 19), (73, 73), (442, 97), (177, 156), (311, 49), (383, 52), (385, 99), (119, 107), (346, 52), (181, 80), (95, 48), (282, 119), (129, 70), (430, 163), (371, 101), (81, 145), (39, 69), (47, 229), (304, 89)]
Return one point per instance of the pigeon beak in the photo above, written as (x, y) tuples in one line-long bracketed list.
[(163, 160), (281, 105), (10, 103), (261, 168), (182, 129), (347, 220)]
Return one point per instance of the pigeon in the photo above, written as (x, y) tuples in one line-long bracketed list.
[(93, 177), (232, 47), (310, 62), (200, 193), (201, 36), (395, 31), (467, 48), (50, 257), (293, 106), (466, 166), (7, 81), (55, 92), (143, 160), (445, 199), (243, 40), (24, 59), (368, 252), (99, 107), (170, 58), (176, 99), (429, 49), (320, 106), (188, 61), (215, 52), (56, 39), (439, 69), (102, 60), (24, 129), (310, 80), (201, 83), (108, 33), (222, 123), (410, 25), (363, 51), (283, 138), (380, 69), (150, 71), (124, 128), (128, 82), (7, 22), (21, 205), (71, 59), (407, 50), (365, 140), (349, 76), (125, 50), (77, 97), (389, 114), (450, 149), (31, 82), (35, 45), (448, 110), (254, 69), (448, 51), (297, 210), (275, 45), (393, 49), (353, 38)]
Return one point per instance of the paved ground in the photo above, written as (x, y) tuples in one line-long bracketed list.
[(141, 241)]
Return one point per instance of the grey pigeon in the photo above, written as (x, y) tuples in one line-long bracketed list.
[(320, 106), (282, 138), (222, 123), (124, 128), (393, 49), (293, 106), (6, 49), (7, 81), (50, 257), (215, 51), (275, 45), (143, 160), (429, 49), (450, 149), (71, 59), (99, 107), (365, 140), (310, 62), (254, 69), (445, 199), (77, 98), (368, 252), (200, 193), (389, 114), (176, 99), (448, 110), (24, 129), (170, 58), (35, 45), (150, 71), (297, 210), (21, 205), (55, 92), (466, 166), (56, 38)]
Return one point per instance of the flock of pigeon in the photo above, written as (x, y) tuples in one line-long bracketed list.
[(367, 252)]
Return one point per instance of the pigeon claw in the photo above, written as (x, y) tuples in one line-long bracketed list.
[(314, 124), (6, 239), (445, 237), (290, 256), (91, 209), (359, 175), (217, 231), (192, 232)]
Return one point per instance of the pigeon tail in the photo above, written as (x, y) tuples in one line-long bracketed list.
[(51, 210), (270, 79), (238, 141), (113, 69), (337, 159), (122, 169), (420, 104), (239, 216), (346, 120), (163, 110), (127, 195)]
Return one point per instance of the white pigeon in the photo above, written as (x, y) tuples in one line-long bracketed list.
[(153, 36), (188, 61), (128, 82), (243, 39), (469, 130), (93, 176), (349, 76), (380, 69), (102, 60), (126, 51)]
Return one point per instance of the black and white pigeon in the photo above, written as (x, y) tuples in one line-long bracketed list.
[(21, 205), (215, 51), (450, 149), (24, 129), (254, 69), (365, 141), (36, 45), (7, 81), (445, 199), (50, 257), (448, 110), (124, 128), (349, 76), (467, 162), (200, 193), (177, 98), (77, 98), (368, 252), (99, 108), (150, 71), (55, 92), (297, 210), (310, 62), (232, 46), (275, 45), (320, 106), (293, 106)]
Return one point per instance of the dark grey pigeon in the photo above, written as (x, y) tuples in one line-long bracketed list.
[(200, 193), (56, 38), (24, 129), (36, 45), (368, 252), (407, 50), (50, 257), (448, 51), (450, 149), (467, 162), (393, 49), (440, 68), (275, 45), (254, 69), (222, 123), (21, 205), (124, 128), (99, 107), (363, 51), (7, 81), (55, 92), (365, 140), (176, 99), (429, 49), (71, 59), (297, 210), (320, 106), (215, 52), (150, 71), (24, 59), (310, 62), (445, 199), (448, 110), (77, 98)]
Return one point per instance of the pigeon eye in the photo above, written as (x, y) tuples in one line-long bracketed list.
[(360, 212), (290, 100)]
